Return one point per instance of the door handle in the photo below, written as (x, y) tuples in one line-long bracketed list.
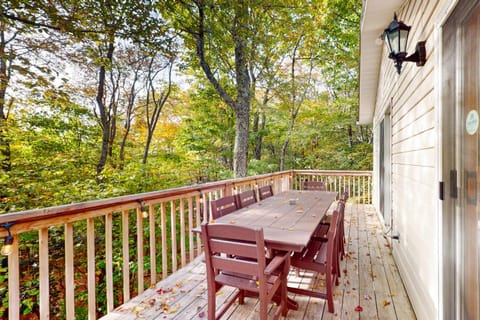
[(471, 186), (453, 184)]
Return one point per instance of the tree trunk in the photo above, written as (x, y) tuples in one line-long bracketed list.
[(241, 105), (260, 127), (240, 151), (283, 155), (158, 103), (350, 136), (5, 155), (105, 120)]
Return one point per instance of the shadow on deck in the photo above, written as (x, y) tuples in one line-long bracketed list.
[(370, 281)]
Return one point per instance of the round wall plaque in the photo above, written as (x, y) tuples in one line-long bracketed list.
[(471, 123)]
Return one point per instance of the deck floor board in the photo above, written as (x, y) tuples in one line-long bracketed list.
[(369, 279)]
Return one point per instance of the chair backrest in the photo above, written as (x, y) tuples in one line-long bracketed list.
[(333, 242), (246, 198), (223, 206), (314, 185), (265, 192), (226, 244)]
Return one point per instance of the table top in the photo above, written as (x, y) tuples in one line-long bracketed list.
[(286, 225)]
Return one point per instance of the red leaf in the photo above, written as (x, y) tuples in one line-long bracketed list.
[(359, 309)]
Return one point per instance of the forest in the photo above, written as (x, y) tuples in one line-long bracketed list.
[(107, 98)]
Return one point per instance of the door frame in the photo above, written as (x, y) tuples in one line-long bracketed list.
[(451, 250)]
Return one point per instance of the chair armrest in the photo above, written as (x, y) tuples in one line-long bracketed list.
[(276, 262)]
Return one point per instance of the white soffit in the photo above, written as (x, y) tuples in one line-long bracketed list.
[(377, 14)]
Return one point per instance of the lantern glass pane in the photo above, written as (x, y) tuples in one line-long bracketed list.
[(393, 42), (403, 40)]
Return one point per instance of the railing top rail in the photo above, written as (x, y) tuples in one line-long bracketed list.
[(133, 200), (334, 172)]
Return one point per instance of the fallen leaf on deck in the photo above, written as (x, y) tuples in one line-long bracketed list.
[(179, 284), (386, 303), (232, 222), (367, 297), (212, 221), (358, 308), (162, 291), (201, 314)]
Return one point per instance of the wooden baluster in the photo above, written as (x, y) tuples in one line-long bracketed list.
[(190, 227), (183, 256), (91, 283), (125, 256), (163, 227), (173, 234), (153, 245), (199, 207), (44, 273), (69, 273), (140, 268), (14, 281), (109, 259)]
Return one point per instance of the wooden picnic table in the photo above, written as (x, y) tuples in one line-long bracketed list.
[(288, 218)]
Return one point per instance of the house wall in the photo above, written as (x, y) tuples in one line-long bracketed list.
[(415, 163)]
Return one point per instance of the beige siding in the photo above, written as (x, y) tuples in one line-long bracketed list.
[(414, 157)]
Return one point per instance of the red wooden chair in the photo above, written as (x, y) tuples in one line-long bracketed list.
[(321, 231), (235, 256), (322, 257), (265, 192), (322, 228), (223, 206), (246, 198), (314, 185)]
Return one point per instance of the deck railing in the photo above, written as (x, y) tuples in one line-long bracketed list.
[(108, 251)]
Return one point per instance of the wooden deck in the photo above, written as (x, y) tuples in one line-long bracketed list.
[(370, 281)]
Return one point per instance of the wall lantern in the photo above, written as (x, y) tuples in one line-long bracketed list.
[(8, 241), (397, 39), (143, 208)]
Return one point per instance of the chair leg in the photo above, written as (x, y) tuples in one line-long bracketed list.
[(263, 306), (241, 297), (211, 305), (329, 282)]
